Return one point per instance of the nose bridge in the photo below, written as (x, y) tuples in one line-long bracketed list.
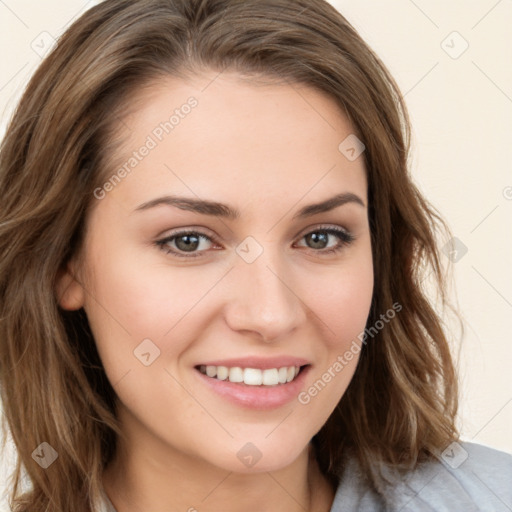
[(263, 300)]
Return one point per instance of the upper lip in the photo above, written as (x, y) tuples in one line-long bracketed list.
[(262, 363)]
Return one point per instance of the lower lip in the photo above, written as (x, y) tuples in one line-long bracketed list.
[(256, 397)]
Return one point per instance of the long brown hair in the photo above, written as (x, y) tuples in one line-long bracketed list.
[(401, 403)]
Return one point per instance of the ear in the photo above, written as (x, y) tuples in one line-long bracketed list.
[(70, 293)]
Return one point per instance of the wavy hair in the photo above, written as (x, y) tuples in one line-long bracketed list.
[(401, 404)]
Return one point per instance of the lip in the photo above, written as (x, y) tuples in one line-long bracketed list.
[(261, 363), (256, 397)]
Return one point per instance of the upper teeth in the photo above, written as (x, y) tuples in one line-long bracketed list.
[(252, 376)]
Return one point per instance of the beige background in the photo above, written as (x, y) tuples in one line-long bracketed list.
[(461, 110)]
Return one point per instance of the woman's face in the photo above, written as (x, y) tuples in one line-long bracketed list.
[(174, 286)]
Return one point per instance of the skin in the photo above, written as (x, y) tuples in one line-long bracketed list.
[(267, 150)]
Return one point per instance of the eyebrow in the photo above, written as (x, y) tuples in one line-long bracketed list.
[(217, 209)]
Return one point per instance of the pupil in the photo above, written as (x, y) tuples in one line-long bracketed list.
[(318, 238), (191, 242)]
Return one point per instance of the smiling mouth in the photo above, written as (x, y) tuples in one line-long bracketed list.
[(252, 376)]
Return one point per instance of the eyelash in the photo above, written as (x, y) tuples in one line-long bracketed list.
[(344, 236)]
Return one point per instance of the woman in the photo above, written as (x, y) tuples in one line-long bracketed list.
[(211, 257)]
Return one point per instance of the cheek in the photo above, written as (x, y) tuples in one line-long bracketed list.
[(347, 309), (343, 304), (133, 299), (342, 300), (145, 299)]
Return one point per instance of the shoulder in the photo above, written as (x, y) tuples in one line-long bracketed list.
[(466, 476)]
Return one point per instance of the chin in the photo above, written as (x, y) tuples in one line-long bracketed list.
[(249, 457)]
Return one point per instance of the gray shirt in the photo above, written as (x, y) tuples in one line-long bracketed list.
[(468, 477)]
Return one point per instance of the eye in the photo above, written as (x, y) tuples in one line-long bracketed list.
[(184, 241), (186, 244), (320, 237)]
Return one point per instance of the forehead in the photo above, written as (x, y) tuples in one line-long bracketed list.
[(221, 136)]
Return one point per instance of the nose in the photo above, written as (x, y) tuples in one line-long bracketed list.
[(263, 300)]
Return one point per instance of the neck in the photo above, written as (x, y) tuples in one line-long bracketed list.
[(138, 479)]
